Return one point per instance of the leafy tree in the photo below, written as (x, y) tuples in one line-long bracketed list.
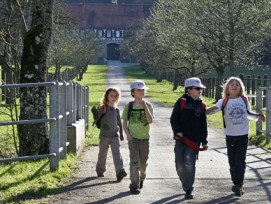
[(200, 35)]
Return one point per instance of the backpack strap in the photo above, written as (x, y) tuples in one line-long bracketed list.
[(225, 101), (130, 107), (182, 104)]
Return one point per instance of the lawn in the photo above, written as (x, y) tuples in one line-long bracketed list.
[(32, 181)]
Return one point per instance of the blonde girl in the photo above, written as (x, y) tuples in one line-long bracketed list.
[(236, 109)]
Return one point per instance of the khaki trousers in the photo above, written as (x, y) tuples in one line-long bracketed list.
[(114, 144), (139, 154)]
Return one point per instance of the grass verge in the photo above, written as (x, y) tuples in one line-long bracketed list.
[(162, 92), (32, 181)]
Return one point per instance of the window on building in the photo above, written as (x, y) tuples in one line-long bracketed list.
[(108, 33), (100, 33), (117, 33)]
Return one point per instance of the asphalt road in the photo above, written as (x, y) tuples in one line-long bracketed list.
[(212, 185)]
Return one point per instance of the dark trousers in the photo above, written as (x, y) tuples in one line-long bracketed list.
[(237, 149)]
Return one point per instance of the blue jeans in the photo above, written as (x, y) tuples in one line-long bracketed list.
[(237, 150), (185, 160)]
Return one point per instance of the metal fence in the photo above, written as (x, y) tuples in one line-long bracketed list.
[(263, 104), (68, 102)]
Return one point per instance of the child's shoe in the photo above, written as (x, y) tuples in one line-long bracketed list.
[(134, 190), (121, 175), (188, 194), (238, 190), (100, 174)]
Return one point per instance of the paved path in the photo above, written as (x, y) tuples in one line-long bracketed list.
[(212, 185)]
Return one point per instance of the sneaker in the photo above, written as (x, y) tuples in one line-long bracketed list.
[(100, 174), (188, 195), (141, 184), (121, 175), (238, 190), (134, 190)]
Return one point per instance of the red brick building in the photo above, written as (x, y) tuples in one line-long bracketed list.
[(108, 20)]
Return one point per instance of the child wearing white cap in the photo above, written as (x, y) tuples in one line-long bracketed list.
[(188, 122), (137, 117)]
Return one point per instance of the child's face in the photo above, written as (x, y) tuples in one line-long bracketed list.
[(195, 92), (234, 88), (112, 97), (139, 93)]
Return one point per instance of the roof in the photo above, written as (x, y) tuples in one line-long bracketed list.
[(108, 15)]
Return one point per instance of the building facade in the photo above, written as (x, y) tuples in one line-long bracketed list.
[(109, 21)]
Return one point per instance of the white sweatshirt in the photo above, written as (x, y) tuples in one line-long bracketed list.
[(236, 116)]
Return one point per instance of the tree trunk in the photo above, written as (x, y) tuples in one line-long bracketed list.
[(33, 139), (176, 80), (219, 81)]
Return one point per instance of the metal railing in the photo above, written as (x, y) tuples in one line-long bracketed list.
[(68, 102), (266, 107)]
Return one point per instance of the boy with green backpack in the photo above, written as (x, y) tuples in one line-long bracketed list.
[(137, 117)]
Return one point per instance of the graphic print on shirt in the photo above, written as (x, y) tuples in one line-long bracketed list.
[(237, 114), (196, 107), (138, 117)]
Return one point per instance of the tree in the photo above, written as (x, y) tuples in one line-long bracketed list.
[(33, 139), (200, 35), (230, 32)]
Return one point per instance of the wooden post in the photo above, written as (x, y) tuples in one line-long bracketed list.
[(259, 109), (253, 89), (268, 115)]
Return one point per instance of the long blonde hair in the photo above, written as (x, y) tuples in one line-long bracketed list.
[(226, 85), (104, 101)]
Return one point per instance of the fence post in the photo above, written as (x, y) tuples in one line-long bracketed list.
[(69, 103), (79, 101), (253, 88), (259, 107), (54, 126), (75, 102), (63, 120), (86, 105), (268, 113)]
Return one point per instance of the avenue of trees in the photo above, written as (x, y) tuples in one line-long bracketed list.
[(187, 38), (34, 36)]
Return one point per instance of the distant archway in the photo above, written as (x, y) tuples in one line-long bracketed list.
[(113, 52)]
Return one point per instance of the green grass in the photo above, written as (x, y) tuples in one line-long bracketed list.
[(32, 181), (162, 92)]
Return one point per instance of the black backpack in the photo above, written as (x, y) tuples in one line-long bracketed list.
[(96, 117)]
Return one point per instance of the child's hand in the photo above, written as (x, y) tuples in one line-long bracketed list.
[(143, 103), (261, 117), (211, 110), (205, 147), (178, 136), (129, 137)]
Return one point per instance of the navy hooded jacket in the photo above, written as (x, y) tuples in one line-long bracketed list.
[(191, 121)]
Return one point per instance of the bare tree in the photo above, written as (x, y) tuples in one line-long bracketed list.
[(33, 139)]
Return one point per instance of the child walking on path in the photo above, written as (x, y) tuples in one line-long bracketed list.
[(137, 117), (236, 110), (188, 122), (111, 130)]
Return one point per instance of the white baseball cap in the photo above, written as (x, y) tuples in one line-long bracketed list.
[(193, 82), (138, 84)]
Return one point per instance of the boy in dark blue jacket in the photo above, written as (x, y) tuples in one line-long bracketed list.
[(189, 125)]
